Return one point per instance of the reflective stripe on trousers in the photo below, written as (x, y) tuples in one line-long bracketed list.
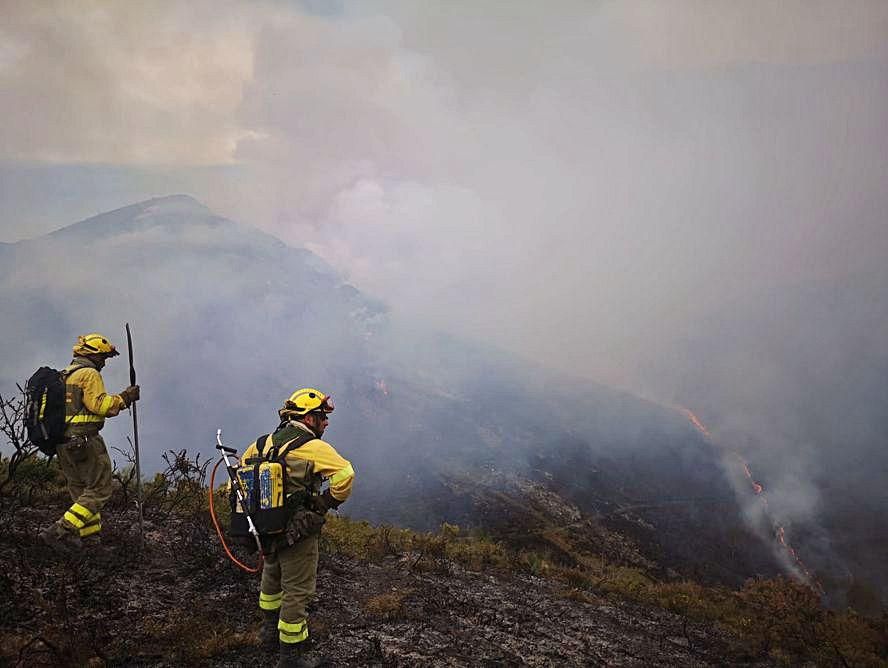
[(293, 632), (85, 463), (291, 573), (83, 520), (270, 601)]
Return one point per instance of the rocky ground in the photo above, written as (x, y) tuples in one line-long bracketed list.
[(177, 600)]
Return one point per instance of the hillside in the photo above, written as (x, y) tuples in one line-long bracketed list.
[(155, 611), (386, 596), (796, 378), (228, 320)]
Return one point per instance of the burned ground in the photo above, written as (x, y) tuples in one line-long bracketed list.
[(178, 601), (553, 588)]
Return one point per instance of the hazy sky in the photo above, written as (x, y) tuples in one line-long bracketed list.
[(580, 182)]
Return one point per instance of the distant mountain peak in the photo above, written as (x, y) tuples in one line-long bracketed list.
[(173, 204), (174, 219), (179, 209)]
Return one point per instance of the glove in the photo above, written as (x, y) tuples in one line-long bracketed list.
[(303, 524), (321, 504), (130, 394)]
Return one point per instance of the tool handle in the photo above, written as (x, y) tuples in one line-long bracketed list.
[(129, 345)]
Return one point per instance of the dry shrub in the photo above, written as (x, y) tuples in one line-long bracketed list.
[(577, 578), (388, 606), (693, 599), (477, 553), (362, 540), (192, 639), (785, 619), (430, 553), (425, 551), (34, 480), (580, 595), (860, 641), (533, 563), (626, 582), (779, 618), (215, 642), (179, 489)]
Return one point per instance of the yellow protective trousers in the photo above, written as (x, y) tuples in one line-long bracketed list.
[(289, 578), (85, 463)]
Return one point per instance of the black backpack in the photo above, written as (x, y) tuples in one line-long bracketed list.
[(45, 409)]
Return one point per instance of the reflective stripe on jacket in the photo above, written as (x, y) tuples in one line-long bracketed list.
[(86, 402)]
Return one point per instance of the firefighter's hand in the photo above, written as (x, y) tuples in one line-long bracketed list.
[(324, 502), (130, 394), (305, 523)]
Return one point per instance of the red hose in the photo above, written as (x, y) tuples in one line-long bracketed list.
[(219, 529)]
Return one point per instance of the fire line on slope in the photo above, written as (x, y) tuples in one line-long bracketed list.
[(758, 490)]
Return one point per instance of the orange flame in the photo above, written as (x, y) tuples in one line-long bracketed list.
[(756, 487), (758, 490), (696, 422)]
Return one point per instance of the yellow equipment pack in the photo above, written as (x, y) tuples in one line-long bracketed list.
[(263, 480)]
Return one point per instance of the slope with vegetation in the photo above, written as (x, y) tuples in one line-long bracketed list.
[(387, 596), (440, 429)]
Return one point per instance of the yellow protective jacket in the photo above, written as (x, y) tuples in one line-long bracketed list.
[(315, 458), (86, 402)]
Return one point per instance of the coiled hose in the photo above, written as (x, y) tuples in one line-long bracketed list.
[(219, 528)]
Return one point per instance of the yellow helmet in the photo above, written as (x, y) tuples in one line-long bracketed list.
[(94, 344), (305, 401)]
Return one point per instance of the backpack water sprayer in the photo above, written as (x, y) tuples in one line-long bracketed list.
[(242, 499), (263, 498)]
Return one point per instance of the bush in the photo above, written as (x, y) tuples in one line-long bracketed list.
[(786, 619), (35, 477), (533, 563), (363, 541), (477, 553), (388, 606)]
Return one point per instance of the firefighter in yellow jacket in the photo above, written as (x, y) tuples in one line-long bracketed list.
[(83, 457), (289, 575)]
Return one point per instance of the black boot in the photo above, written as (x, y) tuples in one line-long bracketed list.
[(61, 540), (268, 633), (299, 655)]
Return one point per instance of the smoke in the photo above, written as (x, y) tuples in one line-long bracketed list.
[(684, 201)]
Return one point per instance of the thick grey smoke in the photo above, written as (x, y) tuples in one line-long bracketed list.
[(684, 200), (228, 321), (602, 176)]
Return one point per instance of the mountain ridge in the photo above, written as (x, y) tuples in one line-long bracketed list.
[(227, 323)]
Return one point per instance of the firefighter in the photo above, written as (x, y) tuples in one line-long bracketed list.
[(289, 574), (83, 457)]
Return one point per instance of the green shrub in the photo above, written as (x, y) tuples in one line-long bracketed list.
[(533, 563)]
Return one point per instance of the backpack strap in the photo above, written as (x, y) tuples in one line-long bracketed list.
[(71, 368), (261, 442), (297, 442), (63, 374)]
